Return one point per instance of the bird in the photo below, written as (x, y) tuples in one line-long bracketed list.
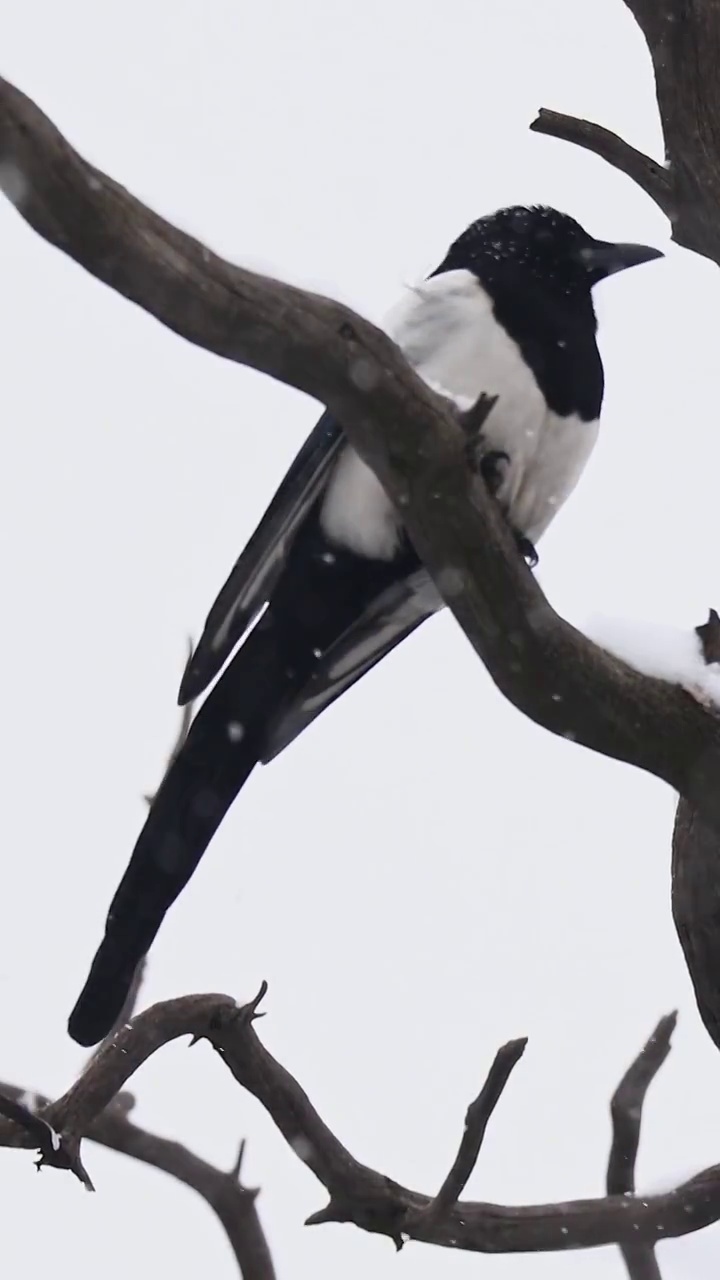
[(329, 582)]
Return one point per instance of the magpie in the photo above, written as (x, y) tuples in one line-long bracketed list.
[(329, 582)]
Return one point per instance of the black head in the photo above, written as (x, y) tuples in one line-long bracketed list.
[(543, 244)]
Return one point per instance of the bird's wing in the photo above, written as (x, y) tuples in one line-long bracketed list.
[(255, 573), (386, 620), (424, 323)]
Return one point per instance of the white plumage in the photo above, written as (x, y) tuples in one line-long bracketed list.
[(448, 332)]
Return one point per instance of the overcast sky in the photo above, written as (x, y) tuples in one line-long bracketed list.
[(424, 874)]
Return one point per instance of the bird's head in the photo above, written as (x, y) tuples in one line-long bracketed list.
[(548, 245)]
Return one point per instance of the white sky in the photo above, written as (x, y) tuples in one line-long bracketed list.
[(424, 874)]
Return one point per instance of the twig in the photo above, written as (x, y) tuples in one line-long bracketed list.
[(43, 1135), (54, 1150), (626, 1109), (476, 1122), (708, 634), (233, 1203), (648, 174), (627, 1104)]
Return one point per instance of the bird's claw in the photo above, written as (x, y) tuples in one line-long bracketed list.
[(527, 550), (492, 469)]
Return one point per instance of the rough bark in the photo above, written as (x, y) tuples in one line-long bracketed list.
[(683, 39), (95, 1107)]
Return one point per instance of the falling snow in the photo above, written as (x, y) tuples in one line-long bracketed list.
[(302, 1147), (364, 374), (13, 182), (235, 731)]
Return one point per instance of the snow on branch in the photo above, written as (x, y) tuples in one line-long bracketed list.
[(675, 654)]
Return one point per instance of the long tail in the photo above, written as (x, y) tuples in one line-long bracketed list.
[(222, 748)]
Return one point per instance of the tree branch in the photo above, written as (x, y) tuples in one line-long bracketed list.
[(696, 881), (476, 1121), (52, 1150), (683, 39), (626, 1110), (410, 436), (233, 1203), (357, 1193), (647, 173)]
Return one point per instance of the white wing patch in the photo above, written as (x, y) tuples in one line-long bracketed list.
[(357, 513)]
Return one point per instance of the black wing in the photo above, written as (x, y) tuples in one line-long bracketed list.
[(258, 568), (386, 620)]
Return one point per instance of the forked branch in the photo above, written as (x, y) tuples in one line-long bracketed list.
[(364, 1196)]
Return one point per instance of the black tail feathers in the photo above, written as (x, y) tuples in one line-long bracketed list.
[(222, 748)]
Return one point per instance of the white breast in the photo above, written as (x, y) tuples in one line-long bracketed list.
[(534, 494), (448, 332)]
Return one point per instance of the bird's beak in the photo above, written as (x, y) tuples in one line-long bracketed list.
[(603, 259)]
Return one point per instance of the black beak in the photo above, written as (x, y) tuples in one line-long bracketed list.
[(602, 259)]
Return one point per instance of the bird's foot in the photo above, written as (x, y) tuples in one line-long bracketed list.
[(526, 549), (493, 467)]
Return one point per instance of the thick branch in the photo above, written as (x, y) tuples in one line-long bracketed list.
[(409, 436), (696, 881), (647, 173), (357, 1193), (683, 38)]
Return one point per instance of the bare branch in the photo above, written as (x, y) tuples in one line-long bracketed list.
[(627, 1104), (376, 1203), (233, 1203), (357, 1193), (52, 1150), (683, 38), (708, 634), (696, 881), (648, 174), (476, 1121), (626, 1109)]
